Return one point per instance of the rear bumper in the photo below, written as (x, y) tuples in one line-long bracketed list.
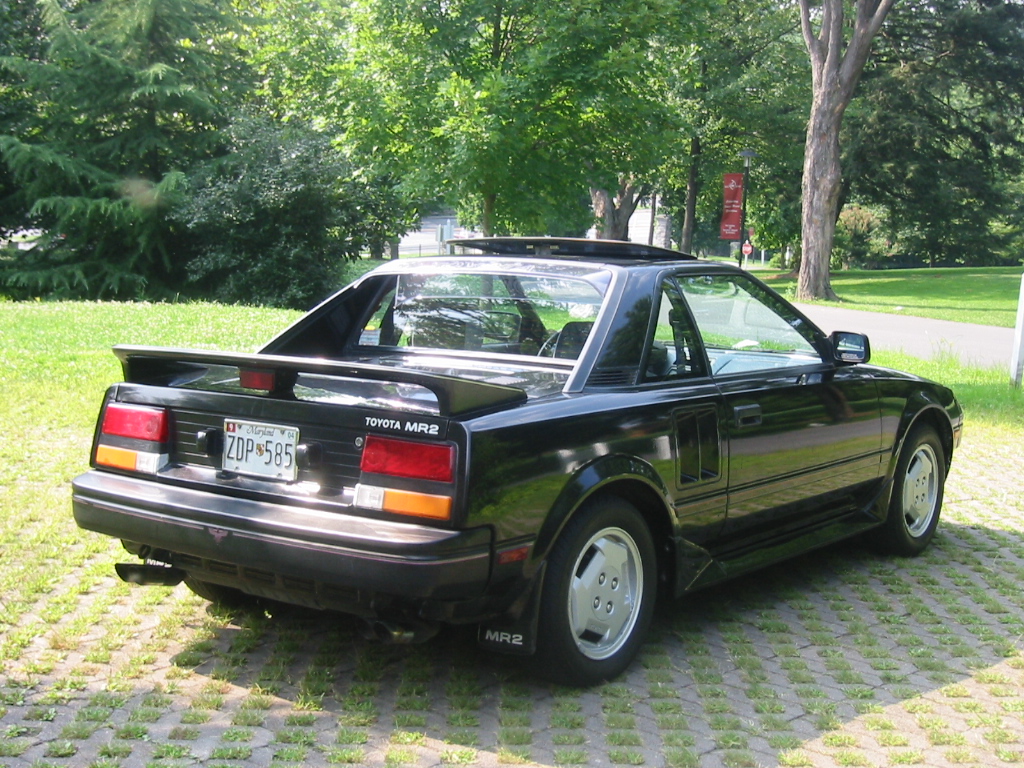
[(327, 558)]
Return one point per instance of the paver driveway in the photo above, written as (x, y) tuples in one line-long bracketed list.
[(839, 658)]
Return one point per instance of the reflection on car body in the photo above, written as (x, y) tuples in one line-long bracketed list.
[(533, 439)]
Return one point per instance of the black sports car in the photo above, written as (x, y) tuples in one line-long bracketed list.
[(538, 439)]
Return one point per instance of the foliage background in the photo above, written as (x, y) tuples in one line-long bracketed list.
[(198, 148)]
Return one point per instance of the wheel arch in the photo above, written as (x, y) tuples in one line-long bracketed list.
[(630, 479), (923, 411), (903, 513)]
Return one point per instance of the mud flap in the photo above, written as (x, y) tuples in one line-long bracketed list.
[(516, 636)]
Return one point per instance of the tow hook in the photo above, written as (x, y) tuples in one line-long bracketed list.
[(162, 575)]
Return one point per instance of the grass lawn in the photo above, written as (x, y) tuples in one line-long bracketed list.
[(989, 402), (987, 296), (842, 657)]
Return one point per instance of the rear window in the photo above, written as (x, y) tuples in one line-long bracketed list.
[(540, 315)]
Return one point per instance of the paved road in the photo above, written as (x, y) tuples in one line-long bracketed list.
[(983, 345)]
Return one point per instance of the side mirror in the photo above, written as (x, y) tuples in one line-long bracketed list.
[(850, 348)]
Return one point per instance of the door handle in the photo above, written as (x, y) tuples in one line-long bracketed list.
[(747, 415)]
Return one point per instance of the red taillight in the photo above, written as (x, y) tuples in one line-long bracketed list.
[(403, 458), (136, 421)]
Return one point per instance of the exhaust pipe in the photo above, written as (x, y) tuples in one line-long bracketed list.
[(398, 632), (161, 575)]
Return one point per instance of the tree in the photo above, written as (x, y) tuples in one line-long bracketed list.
[(740, 89), (836, 67), (936, 137), (513, 109), (638, 115), (301, 52), (129, 94), (270, 223), (613, 211), (520, 113), (20, 35)]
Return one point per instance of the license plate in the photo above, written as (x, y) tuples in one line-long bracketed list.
[(261, 450)]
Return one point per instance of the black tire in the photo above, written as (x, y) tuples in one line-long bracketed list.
[(218, 593), (916, 494), (598, 595)]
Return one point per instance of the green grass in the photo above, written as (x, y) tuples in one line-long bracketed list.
[(985, 393), (986, 296), (55, 359)]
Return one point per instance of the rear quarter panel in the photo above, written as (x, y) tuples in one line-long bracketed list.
[(529, 467)]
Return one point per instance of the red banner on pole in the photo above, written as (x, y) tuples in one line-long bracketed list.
[(732, 209)]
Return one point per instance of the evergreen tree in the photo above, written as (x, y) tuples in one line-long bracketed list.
[(20, 35), (130, 94), (937, 137)]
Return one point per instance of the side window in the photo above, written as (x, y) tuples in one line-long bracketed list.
[(743, 328), (674, 353)]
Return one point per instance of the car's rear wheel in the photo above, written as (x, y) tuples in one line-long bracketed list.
[(916, 493), (598, 595)]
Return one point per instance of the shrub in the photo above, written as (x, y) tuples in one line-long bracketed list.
[(270, 223)]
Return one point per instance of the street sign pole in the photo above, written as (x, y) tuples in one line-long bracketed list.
[(1017, 356), (745, 248)]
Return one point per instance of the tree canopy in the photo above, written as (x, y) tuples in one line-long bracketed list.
[(936, 137), (323, 128), (514, 109)]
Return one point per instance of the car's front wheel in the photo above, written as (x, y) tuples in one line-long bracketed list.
[(598, 594), (916, 493)]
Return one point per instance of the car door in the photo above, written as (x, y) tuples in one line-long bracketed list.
[(804, 436), (674, 362)]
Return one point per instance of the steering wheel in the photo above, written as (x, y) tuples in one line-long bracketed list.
[(547, 349)]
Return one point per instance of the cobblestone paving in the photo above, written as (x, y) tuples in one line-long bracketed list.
[(841, 658)]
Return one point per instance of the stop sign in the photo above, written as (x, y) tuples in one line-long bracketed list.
[(747, 248)]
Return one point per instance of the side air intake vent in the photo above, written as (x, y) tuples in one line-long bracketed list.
[(614, 377)]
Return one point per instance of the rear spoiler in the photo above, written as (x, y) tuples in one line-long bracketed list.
[(455, 396)]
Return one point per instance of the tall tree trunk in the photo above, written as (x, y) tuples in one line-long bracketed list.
[(601, 200), (654, 218), (692, 189), (490, 199), (834, 76), (613, 213), (821, 184)]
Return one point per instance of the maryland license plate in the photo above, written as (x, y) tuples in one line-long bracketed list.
[(260, 450)]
